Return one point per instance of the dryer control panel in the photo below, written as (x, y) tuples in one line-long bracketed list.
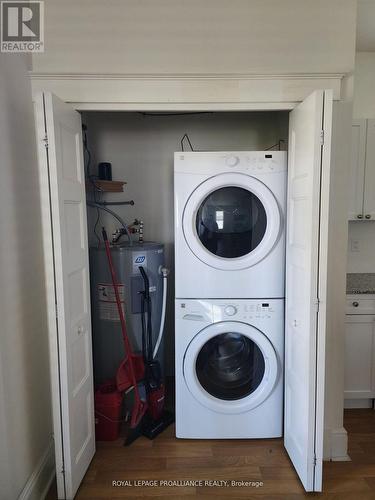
[(248, 162)]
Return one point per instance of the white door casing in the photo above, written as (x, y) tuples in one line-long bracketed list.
[(62, 181), (250, 184), (306, 276)]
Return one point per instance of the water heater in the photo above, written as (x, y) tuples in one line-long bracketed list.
[(108, 349)]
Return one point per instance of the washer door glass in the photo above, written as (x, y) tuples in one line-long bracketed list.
[(230, 366), (231, 222)]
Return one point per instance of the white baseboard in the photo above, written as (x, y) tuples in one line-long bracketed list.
[(336, 445), (40, 480)]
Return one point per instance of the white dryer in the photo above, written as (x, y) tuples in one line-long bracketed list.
[(229, 368), (230, 224)]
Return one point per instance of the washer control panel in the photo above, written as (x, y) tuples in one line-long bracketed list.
[(230, 310), (232, 160), (243, 310), (206, 311)]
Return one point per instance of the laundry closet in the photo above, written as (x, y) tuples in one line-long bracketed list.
[(140, 146)]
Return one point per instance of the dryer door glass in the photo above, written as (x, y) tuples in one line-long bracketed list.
[(230, 366), (231, 222)]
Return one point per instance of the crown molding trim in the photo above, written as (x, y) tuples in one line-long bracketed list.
[(184, 91)]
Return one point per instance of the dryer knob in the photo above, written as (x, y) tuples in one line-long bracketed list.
[(230, 310), (232, 161)]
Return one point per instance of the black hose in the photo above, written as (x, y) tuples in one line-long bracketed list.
[(144, 346), (147, 302), (149, 330)]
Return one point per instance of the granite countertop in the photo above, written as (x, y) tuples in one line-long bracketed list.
[(360, 283)]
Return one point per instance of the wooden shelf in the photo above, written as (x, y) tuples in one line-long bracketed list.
[(107, 186)]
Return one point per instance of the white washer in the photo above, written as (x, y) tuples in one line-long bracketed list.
[(229, 368), (230, 224)]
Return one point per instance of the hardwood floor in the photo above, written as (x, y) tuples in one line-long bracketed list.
[(265, 461)]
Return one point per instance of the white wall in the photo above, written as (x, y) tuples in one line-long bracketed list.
[(141, 151), (335, 438), (361, 245), (199, 36), (364, 85), (25, 415)]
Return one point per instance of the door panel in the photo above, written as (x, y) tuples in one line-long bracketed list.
[(72, 375), (303, 427)]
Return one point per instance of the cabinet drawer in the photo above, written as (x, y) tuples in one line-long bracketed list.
[(360, 304), (359, 357)]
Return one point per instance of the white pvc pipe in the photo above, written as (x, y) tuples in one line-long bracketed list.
[(164, 272)]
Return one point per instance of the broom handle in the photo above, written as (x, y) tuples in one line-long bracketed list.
[(128, 348)]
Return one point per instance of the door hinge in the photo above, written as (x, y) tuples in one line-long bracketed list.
[(314, 461), (45, 140), (316, 304), (56, 312), (322, 137)]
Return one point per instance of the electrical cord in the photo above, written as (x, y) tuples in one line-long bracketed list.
[(185, 136), (91, 179), (278, 144), (97, 222), (184, 113)]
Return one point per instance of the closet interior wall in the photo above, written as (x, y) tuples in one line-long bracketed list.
[(140, 147)]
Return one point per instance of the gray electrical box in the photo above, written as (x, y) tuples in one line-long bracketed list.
[(108, 348)]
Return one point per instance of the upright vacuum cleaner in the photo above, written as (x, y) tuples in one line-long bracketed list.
[(141, 373)]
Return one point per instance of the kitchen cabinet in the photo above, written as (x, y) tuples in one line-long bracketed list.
[(362, 171), (359, 382)]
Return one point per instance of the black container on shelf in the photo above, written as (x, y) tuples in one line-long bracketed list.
[(105, 171)]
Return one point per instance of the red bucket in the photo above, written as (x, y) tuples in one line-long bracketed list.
[(108, 402)]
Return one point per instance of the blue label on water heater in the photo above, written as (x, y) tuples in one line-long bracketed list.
[(139, 259)]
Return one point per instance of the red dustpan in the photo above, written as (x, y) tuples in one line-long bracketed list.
[(131, 368)]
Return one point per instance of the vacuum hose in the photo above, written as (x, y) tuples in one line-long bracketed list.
[(164, 271)]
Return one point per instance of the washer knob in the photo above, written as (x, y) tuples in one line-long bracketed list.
[(230, 310), (232, 161)]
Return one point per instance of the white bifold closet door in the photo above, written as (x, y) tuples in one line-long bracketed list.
[(62, 182), (306, 282)]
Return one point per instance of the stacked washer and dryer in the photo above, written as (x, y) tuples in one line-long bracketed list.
[(230, 286)]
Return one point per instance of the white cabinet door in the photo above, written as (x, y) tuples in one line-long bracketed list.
[(369, 195), (357, 170), (359, 357), (306, 278), (62, 180)]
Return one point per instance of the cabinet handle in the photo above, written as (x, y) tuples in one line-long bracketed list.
[(368, 216), (355, 304), (359, 216)]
